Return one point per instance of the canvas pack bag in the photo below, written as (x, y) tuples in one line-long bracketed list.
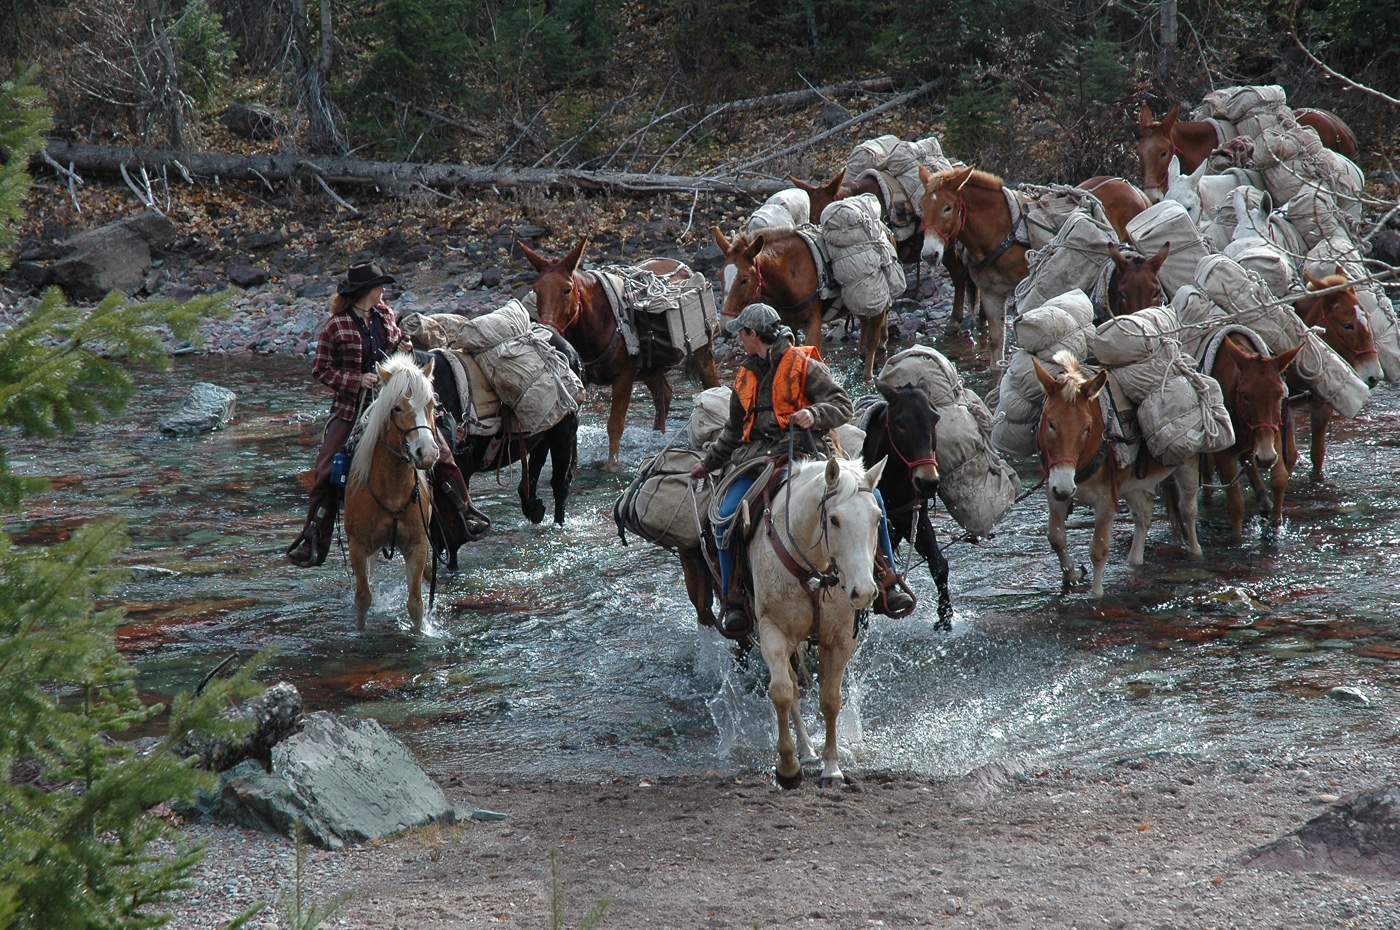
[(1168, 223), (660, 505), (1073, 260), (707, 418), (791, 207), (1019, 401), (1186, 416), (1048, 329), (533, 379), (863, 259), (508, 321)]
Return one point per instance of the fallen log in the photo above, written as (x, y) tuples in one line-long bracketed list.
[(276, 714), (393, 176)]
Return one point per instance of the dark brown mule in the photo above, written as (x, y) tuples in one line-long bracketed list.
[(1254, 392), (775, 266), (574, 304), (1121, 201), (1193, 141), (1078, 464), (1346, 328), (1134, 284), (822, 196)]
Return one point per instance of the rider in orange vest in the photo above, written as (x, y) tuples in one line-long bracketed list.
[(777, 385)]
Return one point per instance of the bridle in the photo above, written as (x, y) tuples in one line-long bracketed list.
[(1175, 151), (959, 224), (575, 305), (931, 459)]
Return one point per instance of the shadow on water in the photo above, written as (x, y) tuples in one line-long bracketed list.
[(558, 651)]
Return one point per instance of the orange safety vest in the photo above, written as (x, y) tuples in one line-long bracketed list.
[(789, 387)]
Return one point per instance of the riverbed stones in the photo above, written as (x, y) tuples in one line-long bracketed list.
[(346, 780), (1360, 835), (205, 408)]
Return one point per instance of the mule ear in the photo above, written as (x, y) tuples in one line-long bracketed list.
[(754, 248), (428, 368), (966, 176), (1174, 169), (834, 184), (720, 241), (887, 391), (384, 374), (1315, 284), (1285, 358), (925, 177), (1238, 352), (575, 255), (1145, 119), (538, 261), (873, 473), (1094, 385), (1170, 118), (1047, 380), (1118, 258), (1200, 171), (833, 472), (1160, 259)]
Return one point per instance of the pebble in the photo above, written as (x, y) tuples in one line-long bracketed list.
[(1349, 695)]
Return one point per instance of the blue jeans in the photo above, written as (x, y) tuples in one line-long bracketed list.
[(726, 539)]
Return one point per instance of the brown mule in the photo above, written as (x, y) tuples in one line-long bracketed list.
[(1134, 284), (1122, 200)]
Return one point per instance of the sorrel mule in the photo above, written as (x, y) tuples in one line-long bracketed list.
[(776, 266), (1193, 141), (574, 303), (1121, 200), (1254, 393), (1346, 328), (812, 566), (1134, 284), (388, 501), (822, 196), (1079, 465)]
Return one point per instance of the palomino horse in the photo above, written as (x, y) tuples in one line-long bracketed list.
[(903, 432), (1253, 388), (1346, 328), (558, 444), (1193, 141), (969, 207), (574, 303), (776, 266), (1078, 464), (1134, 284), (812, 566), (388, 501), (822, 196)]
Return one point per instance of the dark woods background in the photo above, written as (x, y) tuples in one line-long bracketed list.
[(1033, 89)]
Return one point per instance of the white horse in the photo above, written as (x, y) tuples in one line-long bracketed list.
[(388, 498), (812, 563), (1184, 188)]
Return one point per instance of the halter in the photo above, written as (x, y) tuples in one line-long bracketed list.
[(1175, 151), (932, 458), (959, 224), (575, 304), (1080, 474)]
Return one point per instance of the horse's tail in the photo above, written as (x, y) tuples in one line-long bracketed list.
[(699, 366)]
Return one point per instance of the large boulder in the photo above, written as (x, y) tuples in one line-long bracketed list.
[(206, 407), (345, 779), (115, 257), (1359, 835)]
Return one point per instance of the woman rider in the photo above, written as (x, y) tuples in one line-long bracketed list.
[(776, 385)]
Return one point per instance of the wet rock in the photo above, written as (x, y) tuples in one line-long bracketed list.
[(206, 407), (1360, 835), (1348, 695), (347, 780)]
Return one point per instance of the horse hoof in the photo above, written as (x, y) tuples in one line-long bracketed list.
[(789, 782), (611, 465), (534, 510)]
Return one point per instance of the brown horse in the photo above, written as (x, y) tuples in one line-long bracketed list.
[(775, 266), (1346, 329), (822, 196), (1134, 284), (574, 304), (1078, 463), (388, 501), (1193, 141), (1122, 200), (1254, 391)]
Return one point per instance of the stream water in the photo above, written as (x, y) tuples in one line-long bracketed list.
[(559, 652)]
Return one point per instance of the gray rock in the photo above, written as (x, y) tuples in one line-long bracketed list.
[(347, 780), (1348, 695), (707, 259), (206, 407), (245, 275), (250, 121), (1358, 835), (110, 258)]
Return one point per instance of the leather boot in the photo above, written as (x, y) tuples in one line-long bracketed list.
[(475, 524), (894, 600), (735, 621)]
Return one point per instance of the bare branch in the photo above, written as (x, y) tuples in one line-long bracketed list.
[(1293, 30)]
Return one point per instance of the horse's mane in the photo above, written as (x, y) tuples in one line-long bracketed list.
[(1331, 280), (1073, 375), (978, 178), (769, 234), (405, 377)]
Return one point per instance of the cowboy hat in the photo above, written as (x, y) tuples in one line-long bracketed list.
[(362, 277)]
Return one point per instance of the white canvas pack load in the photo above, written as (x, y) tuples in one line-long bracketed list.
[(863, 259), (975, 484), (509, 320), (480, 404), (1048, 329), (1019, 401), (1163, 223), (1235, 103), (1074, 259), (1184, 417), (707, 418), (659, 505), (1247, 300), (693, 316), (1315, 214), (532, 379), (1198, 316), (1268, 261), (1384, 328), (791, 207)]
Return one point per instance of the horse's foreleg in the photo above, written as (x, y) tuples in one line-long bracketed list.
[(1263, 496), (1186, 482), (782, 690), (563, 463), (1098, 551), (698, 586), (873, 330), (1055, 531), (806, 754), (1321, 417), (661, 395), (360, 561), (617, 417), (1289, 430), (703, 363), (813, 329), (1278, 480), (529, 489), (836, 650), (926, 544), (415, 561), (995, 308), (1140, 506), (1229, 468)]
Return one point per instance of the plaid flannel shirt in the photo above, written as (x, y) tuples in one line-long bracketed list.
[(340, 358)]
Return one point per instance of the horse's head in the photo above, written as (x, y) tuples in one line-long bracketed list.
[(1070, 432), (942, 209), (1134, 284), (740, 279), (910, 427), (1184, 188), (1345, 326), (821, 195), (401, 417), (1254, 390), (557, 296), (849, 528), (1155, 149)]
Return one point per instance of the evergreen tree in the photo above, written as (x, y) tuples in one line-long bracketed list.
[(76, 838)]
